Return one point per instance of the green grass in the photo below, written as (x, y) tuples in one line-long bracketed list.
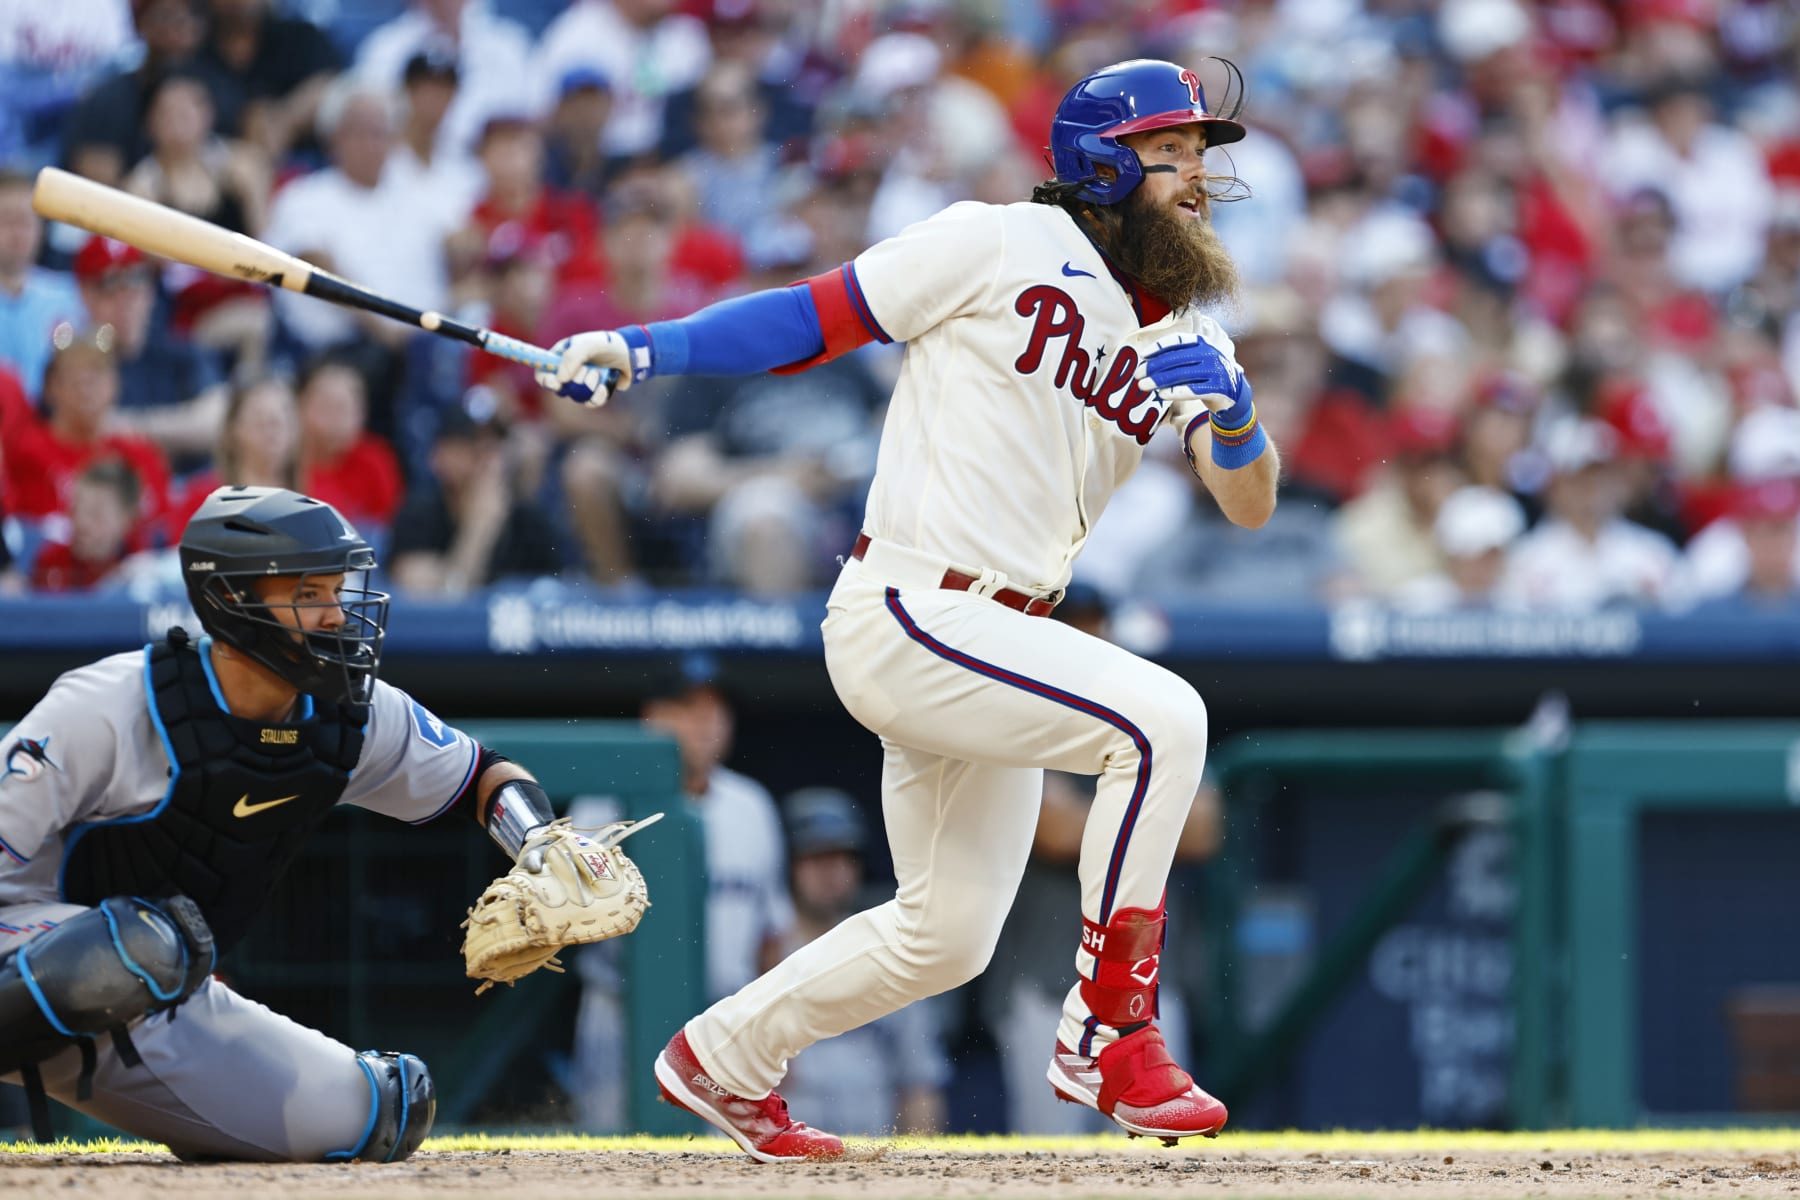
[(1338, 1144)]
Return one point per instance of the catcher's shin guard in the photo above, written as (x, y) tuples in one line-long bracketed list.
[(402, 1105), (95, 974)]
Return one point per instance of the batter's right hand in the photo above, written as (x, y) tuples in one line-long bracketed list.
[(594, 366)]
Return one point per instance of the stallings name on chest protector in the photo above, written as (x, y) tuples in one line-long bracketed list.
[(243, 797)]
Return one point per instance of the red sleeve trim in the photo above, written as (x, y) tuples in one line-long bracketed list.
[(843, 318)]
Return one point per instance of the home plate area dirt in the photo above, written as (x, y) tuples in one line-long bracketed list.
[(884, 1171)]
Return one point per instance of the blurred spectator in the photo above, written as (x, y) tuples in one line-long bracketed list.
[(258, 442), (600, 470), (1729, 558), (519, 214), (169, 390), (33, 301), (49, 54), (191, 169), (102, 511), (789, 78), (385, 232), (467, 526), (520, 281), (1716, 180), (268, 71), (340, 461), (1386, 533), (886, 1077), (733, 168), (1475, 530), (779, 463), (1034, 963), (938, 130), (104, 134), (749, 917), (1383, 320), (644, 47), (1766, 515), (1584, 554), (44, 455), (573, 159), (1295, 556), (419, 163), (1496, 436), (496, 74), (1645, 449)]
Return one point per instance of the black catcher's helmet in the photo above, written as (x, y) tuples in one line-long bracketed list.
[(241, 534)]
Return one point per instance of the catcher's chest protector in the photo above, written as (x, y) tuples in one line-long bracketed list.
[(243, 797)]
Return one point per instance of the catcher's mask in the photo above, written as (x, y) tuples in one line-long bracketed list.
[(242, 534)]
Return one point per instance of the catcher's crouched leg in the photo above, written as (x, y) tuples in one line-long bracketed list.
[(402, 1105)]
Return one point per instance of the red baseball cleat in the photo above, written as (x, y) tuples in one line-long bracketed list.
[(761, 1127), (1137, 1084)]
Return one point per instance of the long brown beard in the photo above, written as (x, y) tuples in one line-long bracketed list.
[(1180, 261)]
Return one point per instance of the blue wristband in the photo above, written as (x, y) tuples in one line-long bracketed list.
[(668, 350), (1231, 453)]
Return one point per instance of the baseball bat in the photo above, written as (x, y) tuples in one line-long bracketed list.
[(166, 233)]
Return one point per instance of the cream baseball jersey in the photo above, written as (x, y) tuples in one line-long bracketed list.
[(1016, 415), (90, 752)]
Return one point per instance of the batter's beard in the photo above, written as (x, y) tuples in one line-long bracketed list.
[(1177, 259)]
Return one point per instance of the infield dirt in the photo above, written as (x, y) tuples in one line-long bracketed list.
[(877, 1172)]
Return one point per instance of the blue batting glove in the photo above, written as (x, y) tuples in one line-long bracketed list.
[(1185, 366)]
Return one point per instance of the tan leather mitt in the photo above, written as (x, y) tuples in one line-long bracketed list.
[(569, 887)]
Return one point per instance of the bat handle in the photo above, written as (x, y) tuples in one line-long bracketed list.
[(500, 345)]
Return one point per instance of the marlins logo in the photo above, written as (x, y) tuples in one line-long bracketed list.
[(26, 760)]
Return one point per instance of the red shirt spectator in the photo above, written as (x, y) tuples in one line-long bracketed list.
[(341, 462), (520, 213), (44, 455), (100, 520)]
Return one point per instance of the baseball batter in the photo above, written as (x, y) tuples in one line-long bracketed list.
[(148, 804), (1046, 343)]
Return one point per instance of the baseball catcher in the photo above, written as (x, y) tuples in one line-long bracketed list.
[(150, 801)]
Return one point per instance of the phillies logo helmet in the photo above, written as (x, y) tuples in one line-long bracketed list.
[(1127, 97)]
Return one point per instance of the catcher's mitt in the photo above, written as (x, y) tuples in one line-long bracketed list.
[(568, 888)]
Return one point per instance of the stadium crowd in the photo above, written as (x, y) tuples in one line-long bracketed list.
[(1521, 303)]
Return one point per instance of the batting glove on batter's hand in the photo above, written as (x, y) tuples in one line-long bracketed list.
[(594, 366), (567, 889), (1184, 367)]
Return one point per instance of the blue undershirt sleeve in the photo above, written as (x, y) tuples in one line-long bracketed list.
[(745, 335)]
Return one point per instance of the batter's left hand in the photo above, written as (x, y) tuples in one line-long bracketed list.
[(594, 366), (1186, 367)]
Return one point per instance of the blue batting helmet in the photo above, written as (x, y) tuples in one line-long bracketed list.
[(1127, 97)]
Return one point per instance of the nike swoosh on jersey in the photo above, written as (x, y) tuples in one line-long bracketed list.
[(1070, 268), (243, 808)]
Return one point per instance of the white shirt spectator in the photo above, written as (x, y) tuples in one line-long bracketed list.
[(454, 181), (644, 65), (1717, 564), (1721, 194), (1554, 568), (1259, 233), (747, 899), (388, 238), (493, 61)]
